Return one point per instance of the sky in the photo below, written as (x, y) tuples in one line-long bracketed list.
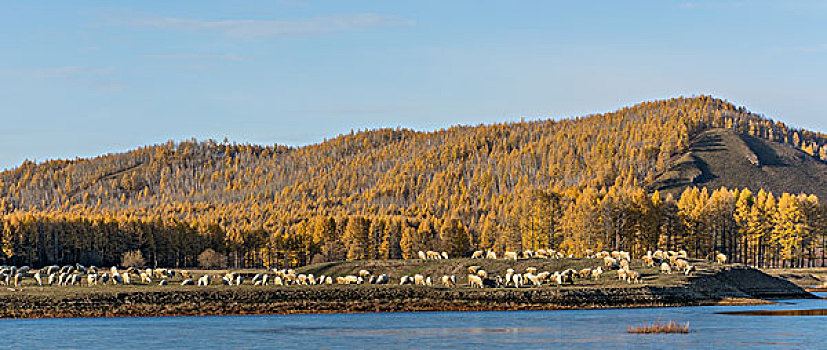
[(83, 78)]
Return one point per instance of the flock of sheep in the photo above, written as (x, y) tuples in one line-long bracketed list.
[(478, 277)]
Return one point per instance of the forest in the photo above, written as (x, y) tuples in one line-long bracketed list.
[(570, 185)]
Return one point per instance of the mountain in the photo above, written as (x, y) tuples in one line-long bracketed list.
[(724, 158), (553, 183)]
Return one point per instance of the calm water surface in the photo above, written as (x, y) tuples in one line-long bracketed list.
[(580, 329)]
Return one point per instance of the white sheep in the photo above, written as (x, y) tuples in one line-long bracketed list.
[(597, 272), (419, 280), (689, 270), (473, 269), (665, 268), (491, 255), (477, 254), (116, 278), (533, 279), (510, 256), (364, 273), (482, 273), (475, 281), (720, 258), (38, 279), (444, 255), (204, 280), (422, 255), (382, 279), (449, 281), (52, 277), (126, 278), (633, 277)]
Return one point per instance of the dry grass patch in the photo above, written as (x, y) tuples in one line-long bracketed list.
[(658, 327)]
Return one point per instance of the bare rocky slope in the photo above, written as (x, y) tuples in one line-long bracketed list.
[(722, 158)]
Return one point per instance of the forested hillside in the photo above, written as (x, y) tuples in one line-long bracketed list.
[(574, 184)]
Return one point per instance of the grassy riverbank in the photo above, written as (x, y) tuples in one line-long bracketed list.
[(712, 284)]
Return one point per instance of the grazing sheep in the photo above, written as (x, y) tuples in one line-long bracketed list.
[(145, 278), (648, 261), (432, 255), (689, 270), (277, 281), (621, 274), (491, 255), (473, 269), (510, 256), (204, 280), (475, 281), (584, 273), (406, 280), (116, 278), (226, 281), (75, 279), (720, 258), (444, 255), (311, 280), (92, 279), (544, 276), (126, 278), (533, 279), (422, 255), (517, 279), (351, 279), (163, 283), (633, 277), (265, 279), (665, 268), (477, 254), (597, 272), (38, 279), (624, 264), (328, 280), (419, 280), (302, 279), (188, 282), (449, 281), (382, 279), (104, 278), (541, 254), (256, 278), (48, 270), (52, 277), (364, 273), (682, 264), (113, 269), (482, 273), (428, 281), (609, 261), (17, 277)]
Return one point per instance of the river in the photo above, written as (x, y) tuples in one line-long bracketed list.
[(576, 329)]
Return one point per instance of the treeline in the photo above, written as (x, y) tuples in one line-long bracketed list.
[(758, 229), (492, 182)]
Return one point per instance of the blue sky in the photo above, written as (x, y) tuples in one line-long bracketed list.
[(82, 78)]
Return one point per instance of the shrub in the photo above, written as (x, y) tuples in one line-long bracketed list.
[(133, 258), (210, 259)]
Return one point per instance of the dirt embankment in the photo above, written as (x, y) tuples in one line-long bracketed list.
[(723, 286)]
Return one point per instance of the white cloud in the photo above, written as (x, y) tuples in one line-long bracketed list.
[(61, 72), (196, 56), (258, 29)]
